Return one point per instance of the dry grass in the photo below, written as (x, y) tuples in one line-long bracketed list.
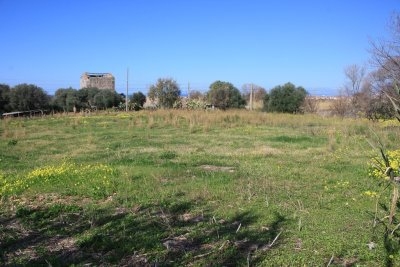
[(191, 178)]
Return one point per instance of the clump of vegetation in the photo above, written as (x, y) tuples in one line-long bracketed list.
[(165, 92), (12, 142), (286, 99), (137, 101), (224, 95)]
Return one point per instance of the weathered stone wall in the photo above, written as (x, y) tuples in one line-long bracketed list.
[(98, 80)]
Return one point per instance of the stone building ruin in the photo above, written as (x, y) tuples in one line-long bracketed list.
[(98, 80)]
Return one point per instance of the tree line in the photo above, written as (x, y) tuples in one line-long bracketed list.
[(24, 97), (165, 93), (367, 95), (224, 95)]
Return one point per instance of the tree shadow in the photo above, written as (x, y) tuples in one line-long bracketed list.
[(167, 234)]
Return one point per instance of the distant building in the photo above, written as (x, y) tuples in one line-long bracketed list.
[(98, 80)]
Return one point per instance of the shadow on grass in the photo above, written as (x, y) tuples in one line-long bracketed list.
[(168, 234)]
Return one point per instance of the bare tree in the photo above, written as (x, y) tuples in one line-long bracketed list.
[(341, 106), (386, 53), (310, 105), (194, 94), (355, 77), (386, 58), (258, 92), (254, 94), (355, 90)]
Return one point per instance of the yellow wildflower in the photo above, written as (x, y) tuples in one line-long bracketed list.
[(370, 193)]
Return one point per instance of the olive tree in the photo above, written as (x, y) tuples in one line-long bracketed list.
[(87, 97), (165, 92), (28, 97), (224, 95), (106, 98), (4, 98), (66, 99)]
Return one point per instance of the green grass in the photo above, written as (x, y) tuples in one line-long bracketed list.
[(189, 188)]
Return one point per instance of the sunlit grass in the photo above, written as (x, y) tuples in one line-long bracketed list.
[(153, 176), (66, 178)]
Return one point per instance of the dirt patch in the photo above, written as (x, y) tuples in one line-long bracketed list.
[(188, 217), (217, 168), (179, 243), (136, 259), (44, 200)]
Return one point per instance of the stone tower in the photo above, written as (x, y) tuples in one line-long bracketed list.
[(98, 80)]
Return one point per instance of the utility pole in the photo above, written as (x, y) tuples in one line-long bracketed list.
[(188, 90), (251, 97), (127, 84)]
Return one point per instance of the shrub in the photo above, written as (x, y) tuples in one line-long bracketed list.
[(286, 99)]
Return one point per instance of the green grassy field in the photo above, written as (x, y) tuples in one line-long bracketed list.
[(190, 188)]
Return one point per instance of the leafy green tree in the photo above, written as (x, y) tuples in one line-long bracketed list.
[(106, 99), (286, 98), (28, 97), (224, 95), (4, 98), (66, 99), (118, 99), (89, 98), (137, 100), (166, 92), (86, 97)]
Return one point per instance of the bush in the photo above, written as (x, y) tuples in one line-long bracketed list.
[(137, 101), (286, 99), (224, 95)]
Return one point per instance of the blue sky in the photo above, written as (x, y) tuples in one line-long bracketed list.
[(309, 43)]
